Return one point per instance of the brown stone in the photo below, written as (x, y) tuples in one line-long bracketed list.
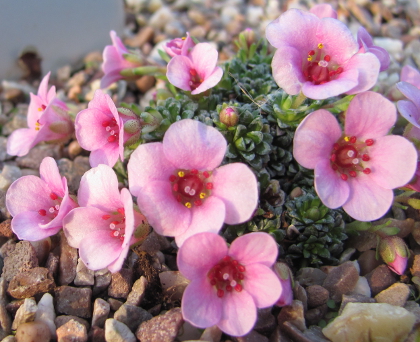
[(33, 282), (145, 35), (415, 269), (313, 316), (74, 301), (68, 261), (121, 283), (101, 310), (292, 313), (308, 276), (61, 320), (102, 280), (341, 280), (97, 334), (266, 322), (138, 291), (145, 83), (22, 258), (6, 229), (42, 249), (368, 262), (396, 294), (33, 331), (354, 298), (380, 279), (72, 331), (132, 316), (317, 296), (52, 263)]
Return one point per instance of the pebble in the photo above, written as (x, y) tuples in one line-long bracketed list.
[(313, 316), (72, 331), (341, 280), (145, 83), (6, 230), (294, 314), (138, 291), (26, 313), (211, 334), (380, 279), (74, 301), (132, 316), (415, 269), (61, 320), (121, 283), (266, 322), (115, 331), (68, 261), (101, 309), (317, 295), (35, 281), (397, 294), (35, 156), (42, 249), (9, 174), (173, 284), (162, 16), (362, 287), (368, 262), (308, 276), (97, 334), (299, 293), (354, 298), (33, 331), (21, 259), (5, 320), (7, 248), (46, 313), (84, 276), (52, 263)]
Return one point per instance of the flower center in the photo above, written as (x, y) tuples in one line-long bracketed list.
[(195, 79), (350, 156), (191, 187), (116, 221), (51, 212), (318, 67), (111, 127), (227, 275)]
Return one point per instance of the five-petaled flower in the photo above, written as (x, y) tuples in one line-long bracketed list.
[(410, 87), (366, 45), (104, 227), (179, 46), (318, 56), (228, 284), (48, 120), (196, 72), (357, 169), (38, 205), (179, 188)]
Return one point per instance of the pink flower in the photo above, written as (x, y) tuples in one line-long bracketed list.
[(286, 279), (394, 252), (228, 284), (415, 182), (103, 227), (410, 87), (323, 11), (410, 75), (47, 121), (318, 57), (357, 169), (197, 72), (179, 46), (179, 188), (38, 205), (104, 130), (366, 45), (117, 58)]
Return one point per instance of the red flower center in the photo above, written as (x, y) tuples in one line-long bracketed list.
[(350, 156), (51, 212), (226, 276), (195, 79), (116, 223), (318, 67), (191, 187), (112, 128)]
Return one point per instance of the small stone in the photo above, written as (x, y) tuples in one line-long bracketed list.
[(72, 331), (317, 296), (74, 149), (299, 293), (5, 321), (115, 304), (308, 276), (162, 16), (266, 322), (370, 322), (6, 229), (368, 262), (121, 283), (68, 261), (132, 316), (313, 316), (415, 269), (9, 338), (100, 314), (397, 294), (84, 276), (211, 334), (154, 243), (414, 308), (26, 313), (363, 242), (33, 282), (7, 248), (33, 331), (341, 280), (36, 154), (173, 284), (74, 301), (52, 263), (362, 287), (45, 313), (115, 331), (294, 314), (21, 259), (354, 298), (252, 336), (61, 320), (145, 35), (145, 83), (138, 291), (97, 334), (162, 328), (380, 279), (102, 280), (42, 249)]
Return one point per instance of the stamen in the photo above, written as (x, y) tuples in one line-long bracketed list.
[(367, 171), (353, 139), (369, 142), (105, 123), (353, 173), (112, 138), (238, 288), (365, 157), (181, 174), (121, 211), (220, 293), (344, 176), (320, 46), (188, 205), (106, 217), (175, 187), (42, 212), (53, 196), (327, 58), (202, 195), (355, 161), (347, 139), (206, 174), (209, 186), (194, 171), (311, 53)]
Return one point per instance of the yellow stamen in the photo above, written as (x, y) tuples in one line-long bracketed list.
[(309, 58), (188, 205), (37, 126), (347, 138), (181, 174), (40, 109), (202, 195), (183, 38), (320, 46)]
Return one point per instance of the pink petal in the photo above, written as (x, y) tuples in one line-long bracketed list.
[(209, 249), (236, 185), (118, 263), (117, 43), (208, 217), (99, 188), (409, 111), (393, 161), (51, 94), (188, 45), (107, 155), (239, 313), (287, 69), (315, 137), (210, 81), (109, 78), (254, 248), (324, 11), (369, 116), (147, 164), (410, 75), (262, 284), (190, 144), (21, 141), (90, 133), (33, 112), (26, 226), (368, 66), (127, 200), (364, 38), (411, 92), (200, 305), (50, 174), (43, 88), (164, 213), (81, 221), (204, 59), (294, 28), (178, 72), (66, 206), (367, 201), (98, 249), (331, 189)]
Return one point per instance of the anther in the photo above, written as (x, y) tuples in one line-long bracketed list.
[(188, 205), (327, 58), (194, 171), (347, 139), (105, 123), (311, 53), (353, 139), (206, 174), (202, 195), (220, 293), (181, 174), (121, 211), (53, 196), (365, 157), (353, 173), (209, 186), (344, 176), (42, 212), (238, 288), (320, 46), (369, 142), (112, 138), (367, 171), (106, 217), (175, 187)]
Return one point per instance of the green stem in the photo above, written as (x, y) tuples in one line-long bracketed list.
[(298, 100), (143, 70)]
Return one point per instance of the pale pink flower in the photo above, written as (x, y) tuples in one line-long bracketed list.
[(323, 11), (117, 58), (415, 182), (197, 72), (318, 56), (179, 46), (410, 75), (357, 169), (394, 253), (228, 284), (286, 280), (366, 45), (103, 227), (48, 121), (410, 87), (104, 130), (38, 205), (179, 188)]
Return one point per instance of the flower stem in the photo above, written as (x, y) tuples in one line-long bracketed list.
[(298, 100)]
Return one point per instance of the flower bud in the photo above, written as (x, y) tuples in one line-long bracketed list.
[(394, 253), (132, 126), (286, 280), (249, 36), (229, 116)]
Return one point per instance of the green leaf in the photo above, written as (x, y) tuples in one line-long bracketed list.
[(390, 230), (256, 136), (414, 202), (263, 148), (231, 152), (240, 144), (247, 155), (240, 132), (331, 304)]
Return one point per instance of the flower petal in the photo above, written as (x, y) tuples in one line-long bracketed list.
[(324, 11), (411, 92), (127, 201), (368, 66), (26, 226), (43, 87), (369, 116), (331, 189), (107, 155), (208, 249), (262, 284), (367, 201), (118, 263), (410, 75), (200, 305), (178, 72), (90, 133), (254, 248), (236, 185), (315, 137), (409, 111), (204, 59), (210, 81), (109, 78), (50, 174), (393, 161), (208, 217), (190, 144), (21, 141)]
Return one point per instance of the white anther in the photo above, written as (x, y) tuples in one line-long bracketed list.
[(112, 226), (115, 234), (225, 276), (355, 161), (350, 153), (192, 192), (112, 132), (233, 283), (187, 189), (323, 63), (108, 128), (57, 207), (51, 210)]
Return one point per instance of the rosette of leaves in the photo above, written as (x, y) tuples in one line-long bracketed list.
[(316, 233)]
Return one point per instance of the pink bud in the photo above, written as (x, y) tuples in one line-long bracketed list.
[(285, 275), (229, 116), (394, 253)]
